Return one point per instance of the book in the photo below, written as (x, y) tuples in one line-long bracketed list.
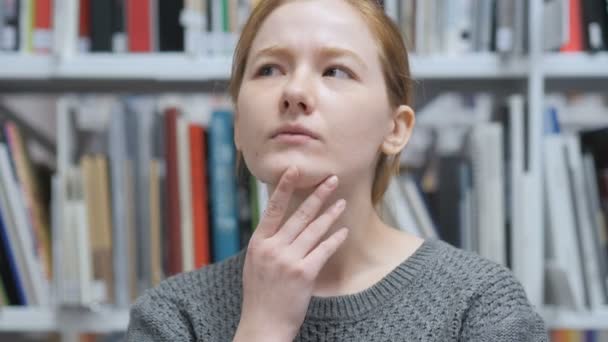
[(224, 213)]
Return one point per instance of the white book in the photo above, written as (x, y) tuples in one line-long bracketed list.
[(25, 25), (143, 109), (421, 30), (505, 30), (399, 209), (80, 228), (523, 261), (391, 7), (65, 29), (185, 194), (66, 140), (589, 253), (458, 27), (488, 165), (193, 21), (423, 218), (217, 28), (17, 248), (563, 241), (118, 173), (68, 269), (555, 24), (16, 203), (483, 12)]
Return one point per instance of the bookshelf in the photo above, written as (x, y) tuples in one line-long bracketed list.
[(37, 319), (575, 66), (533, 71), (181, 67)]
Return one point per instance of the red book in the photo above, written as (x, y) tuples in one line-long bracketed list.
[(173, 208), (575, 43), (42, 26), (139, 25), (84, 25), (200, 219)]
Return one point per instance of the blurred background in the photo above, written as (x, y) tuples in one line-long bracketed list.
[(117, 164)]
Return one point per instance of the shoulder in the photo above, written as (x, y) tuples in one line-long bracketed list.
[(469, 271), (492, 300), (191, 299), (201, 283)]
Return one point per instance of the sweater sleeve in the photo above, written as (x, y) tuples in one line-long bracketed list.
[(154, 318), (503, 313)]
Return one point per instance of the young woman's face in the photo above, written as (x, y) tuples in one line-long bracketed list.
[(313, 64)]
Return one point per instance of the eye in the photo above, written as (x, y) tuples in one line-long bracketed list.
[(338, 72), (266, 70)]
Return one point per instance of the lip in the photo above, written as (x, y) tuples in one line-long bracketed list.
[(294, 130)]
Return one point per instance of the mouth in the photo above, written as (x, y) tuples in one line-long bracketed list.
[(294, 132)]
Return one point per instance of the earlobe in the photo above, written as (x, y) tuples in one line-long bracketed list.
[(401, 130)]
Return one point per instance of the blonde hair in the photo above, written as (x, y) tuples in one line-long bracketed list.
[(393, 58)]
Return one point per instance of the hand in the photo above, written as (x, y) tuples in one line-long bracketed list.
[(283, 261)]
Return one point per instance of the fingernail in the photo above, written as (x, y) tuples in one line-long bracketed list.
[(332, 181), (292, 173)]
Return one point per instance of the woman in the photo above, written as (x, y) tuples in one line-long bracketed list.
[(321, 91)]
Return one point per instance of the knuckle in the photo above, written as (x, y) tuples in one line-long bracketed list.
[(273, 209), (264, 250), (304, 215), (300, 272)]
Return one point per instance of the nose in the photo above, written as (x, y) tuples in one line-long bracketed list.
[(298, 96)]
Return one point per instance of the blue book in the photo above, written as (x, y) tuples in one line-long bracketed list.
[(14, 285), (224, 207), (551, 121)]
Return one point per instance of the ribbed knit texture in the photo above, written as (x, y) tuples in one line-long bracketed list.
[(440, 293)]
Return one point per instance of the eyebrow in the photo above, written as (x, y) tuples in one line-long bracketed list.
[(328, 51)]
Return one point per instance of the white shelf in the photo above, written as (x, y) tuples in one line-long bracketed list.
[(182, 67), (38, 319), (170, 66), (178, 67), (473, 66), (575, 65), (25, 67), (575, 320)]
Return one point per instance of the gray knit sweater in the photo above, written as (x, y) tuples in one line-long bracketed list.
[(440, 293)]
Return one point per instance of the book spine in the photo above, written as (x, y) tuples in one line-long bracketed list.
[(200, 213), (173, 209), (224, 213), (138, 25)]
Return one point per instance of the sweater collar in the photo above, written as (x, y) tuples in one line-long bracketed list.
[(395, 282)]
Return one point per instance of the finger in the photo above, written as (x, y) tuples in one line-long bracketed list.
[(307, 211), (277, 204), (317, 258), (315, 231)]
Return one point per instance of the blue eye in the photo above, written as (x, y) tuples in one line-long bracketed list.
[(337, 72), (266, 70)]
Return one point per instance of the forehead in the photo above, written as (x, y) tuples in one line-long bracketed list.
[(310, 24)]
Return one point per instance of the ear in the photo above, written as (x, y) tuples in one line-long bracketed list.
[(401, 127)]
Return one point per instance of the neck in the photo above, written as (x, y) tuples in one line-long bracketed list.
[(367, 246)]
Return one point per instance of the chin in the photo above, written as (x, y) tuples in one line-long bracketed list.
[(270, 170)]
